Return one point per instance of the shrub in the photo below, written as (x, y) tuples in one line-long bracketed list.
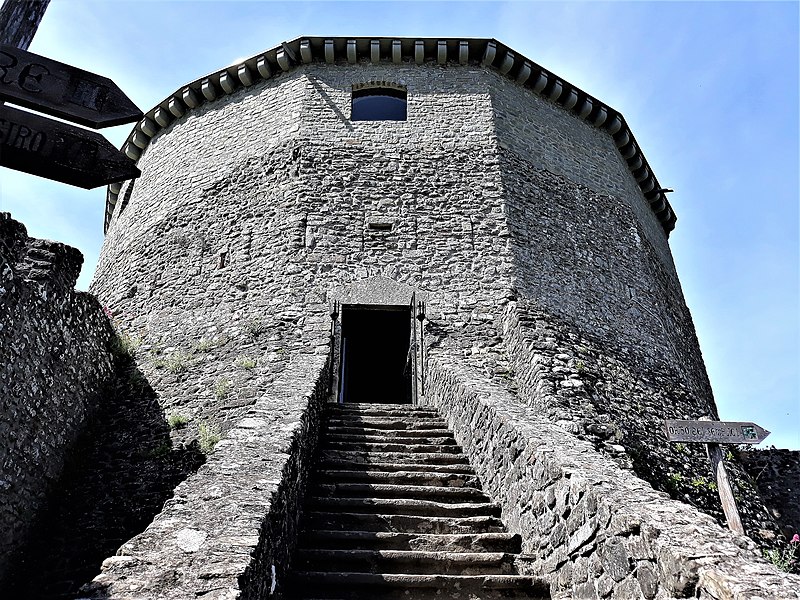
[(177, 421), (126, 344), (208, 438), (245, 362), (222, 388), (177, 362), (204, 346), (785, 558)]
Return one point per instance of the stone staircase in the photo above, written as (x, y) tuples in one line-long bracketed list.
[(395, 511)]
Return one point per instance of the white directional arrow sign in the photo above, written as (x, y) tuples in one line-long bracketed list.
[(716, 432)]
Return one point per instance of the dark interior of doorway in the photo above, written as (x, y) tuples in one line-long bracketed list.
[(375, 342)]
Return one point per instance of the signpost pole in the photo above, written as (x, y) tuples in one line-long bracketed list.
[(724, 486), (19, 20), (712, 434)]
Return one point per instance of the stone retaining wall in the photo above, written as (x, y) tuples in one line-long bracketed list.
[(55, 361), (595, 530), (229, 530), (618, 402), (777, 474)]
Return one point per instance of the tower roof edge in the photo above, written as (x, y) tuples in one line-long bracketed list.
[(489, 52)]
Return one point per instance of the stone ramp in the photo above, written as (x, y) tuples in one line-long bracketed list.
[(395, 511)]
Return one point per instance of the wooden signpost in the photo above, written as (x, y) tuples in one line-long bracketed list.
[(51, 87), (34, 144), (19, 20), (717, 432), (714, 433), (52, 149)]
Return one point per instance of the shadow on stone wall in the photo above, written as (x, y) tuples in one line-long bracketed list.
[(123, 470), (776, 472)]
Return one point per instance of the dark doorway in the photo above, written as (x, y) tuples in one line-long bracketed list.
[(375, 342)]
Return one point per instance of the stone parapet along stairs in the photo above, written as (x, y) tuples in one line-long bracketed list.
[(395, 511)]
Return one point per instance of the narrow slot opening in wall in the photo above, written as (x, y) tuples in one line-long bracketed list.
[(380, 226)]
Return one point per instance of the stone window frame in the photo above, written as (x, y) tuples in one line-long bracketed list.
[(369, 88)]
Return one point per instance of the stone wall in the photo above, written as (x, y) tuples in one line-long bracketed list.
[(594, 529), (55, 363), (230, 528), (618, 401), (537, 134), (776, 472)]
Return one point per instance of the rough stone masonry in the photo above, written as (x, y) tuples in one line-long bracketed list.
[(55, 363), (556, 334)]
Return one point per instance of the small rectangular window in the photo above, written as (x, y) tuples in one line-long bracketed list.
[(379, 104)]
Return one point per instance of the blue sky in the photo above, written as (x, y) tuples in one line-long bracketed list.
[(709, 89)]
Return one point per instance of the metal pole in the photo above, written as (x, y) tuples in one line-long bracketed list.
[(420, 318), (332, 358), (19, 20), (414, 347)]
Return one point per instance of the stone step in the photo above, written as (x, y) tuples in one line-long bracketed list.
[(399, 423), (443, 440), (404, 561), (389, 447), (403, 506), (427, 458), (349, 465), (397, 523), (379, 409), (401, 477), (396, 511), (446, 495), (386, 586), (386, 433), (431, 542)]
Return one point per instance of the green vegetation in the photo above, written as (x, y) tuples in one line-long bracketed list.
[(673, 481), (177, 362), (702, 482), (222, 388), (785, 558), (245, 362), (126, 344), (255, 328), (204, 346), (208, 438), (176, 421)]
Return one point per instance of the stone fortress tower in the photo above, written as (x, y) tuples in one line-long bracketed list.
[(520, 208), (431, 222)]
